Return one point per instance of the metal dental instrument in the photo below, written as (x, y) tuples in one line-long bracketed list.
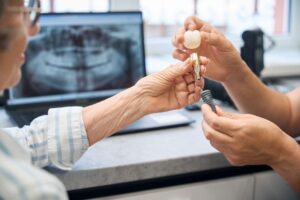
[(208, 99), (197, 65)]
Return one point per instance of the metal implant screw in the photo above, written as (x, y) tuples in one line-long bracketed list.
[(197, 65), (208, 99)]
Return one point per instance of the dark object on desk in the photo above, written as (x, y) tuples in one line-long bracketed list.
[(252, 53), (193, 107), (1, 100), (158, 121), (253, 50)]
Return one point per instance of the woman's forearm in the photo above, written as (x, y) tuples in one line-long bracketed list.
[(250, 95), (109, 116), (288, 166)]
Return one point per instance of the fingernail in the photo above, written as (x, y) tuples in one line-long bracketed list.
[(187, 61)]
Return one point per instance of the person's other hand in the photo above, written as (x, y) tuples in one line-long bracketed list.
[(244, 139), (225, 59), (172, 88)]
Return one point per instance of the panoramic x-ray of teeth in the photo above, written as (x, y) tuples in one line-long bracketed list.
[(82, 58)]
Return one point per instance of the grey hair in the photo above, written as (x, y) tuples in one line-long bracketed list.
[(3, 32)]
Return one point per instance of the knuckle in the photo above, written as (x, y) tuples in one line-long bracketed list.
[(181, 56), (209, 135), (191, 87), (215, 124), (236, 161)]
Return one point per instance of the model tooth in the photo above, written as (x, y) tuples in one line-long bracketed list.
[(192, 39)]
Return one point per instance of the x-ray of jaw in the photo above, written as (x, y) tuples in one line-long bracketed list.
[(82, 58)]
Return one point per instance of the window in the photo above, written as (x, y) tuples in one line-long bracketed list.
[(75, 5), (163, 18), (231, 16)]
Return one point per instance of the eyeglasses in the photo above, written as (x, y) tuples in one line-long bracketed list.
[(31, 11)]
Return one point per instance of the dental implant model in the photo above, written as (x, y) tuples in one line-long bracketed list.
[(192, 40), (197, 65)]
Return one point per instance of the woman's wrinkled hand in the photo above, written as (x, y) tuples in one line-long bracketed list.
[(173, 88)]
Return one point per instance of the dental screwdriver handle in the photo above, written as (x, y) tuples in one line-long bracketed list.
[(208, 99)]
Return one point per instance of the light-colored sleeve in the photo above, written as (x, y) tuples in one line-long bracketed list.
[(58, 138)]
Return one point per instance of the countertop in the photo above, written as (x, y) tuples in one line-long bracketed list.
[(141, 156)]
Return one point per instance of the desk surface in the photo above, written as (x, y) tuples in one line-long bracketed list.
[(141, 156)]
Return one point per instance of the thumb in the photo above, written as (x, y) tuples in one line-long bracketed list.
[(180, 69)]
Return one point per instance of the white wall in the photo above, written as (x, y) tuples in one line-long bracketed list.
[(124, 5), (297, 21)]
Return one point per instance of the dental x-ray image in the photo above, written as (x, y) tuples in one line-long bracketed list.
[(72, 59)]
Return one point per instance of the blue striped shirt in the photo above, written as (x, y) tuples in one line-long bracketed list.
[(58, 138)]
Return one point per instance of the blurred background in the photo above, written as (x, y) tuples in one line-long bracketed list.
[(279, 19), (164, 17)]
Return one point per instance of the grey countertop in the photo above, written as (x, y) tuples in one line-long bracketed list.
[(141, 156)]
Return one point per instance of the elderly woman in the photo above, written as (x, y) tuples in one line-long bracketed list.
[(63, 135)]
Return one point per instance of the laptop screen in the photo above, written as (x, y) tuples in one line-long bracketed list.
[(81, 56)]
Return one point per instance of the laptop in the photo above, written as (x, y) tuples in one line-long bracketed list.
[(80, 59)]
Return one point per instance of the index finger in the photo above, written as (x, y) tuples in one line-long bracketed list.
[(219, 123), (194, 23), (178, 39)]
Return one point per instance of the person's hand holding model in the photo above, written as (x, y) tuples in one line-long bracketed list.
[(245, 139), (192, 41), (224, 58), (173, 88)]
